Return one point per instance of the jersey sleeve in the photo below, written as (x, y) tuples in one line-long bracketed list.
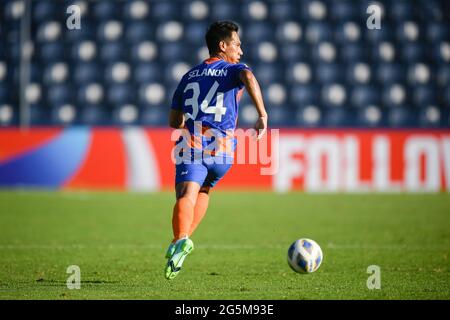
[(237, 68), (177, 99)]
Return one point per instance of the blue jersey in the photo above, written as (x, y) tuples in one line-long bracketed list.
[(209, 93)]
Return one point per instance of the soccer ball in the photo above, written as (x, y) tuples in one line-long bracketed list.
[(304, 256)]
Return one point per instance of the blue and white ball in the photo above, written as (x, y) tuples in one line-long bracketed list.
[(305, 256)]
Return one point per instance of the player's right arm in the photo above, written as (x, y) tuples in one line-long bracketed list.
[(254, 90)]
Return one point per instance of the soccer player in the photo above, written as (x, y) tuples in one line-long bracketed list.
[(207, 97)]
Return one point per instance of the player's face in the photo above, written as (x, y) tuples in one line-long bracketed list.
[(233, 51)]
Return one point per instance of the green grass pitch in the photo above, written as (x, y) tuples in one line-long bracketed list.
[(119, 240)]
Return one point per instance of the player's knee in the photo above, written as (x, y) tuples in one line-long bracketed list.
[(205, 190)]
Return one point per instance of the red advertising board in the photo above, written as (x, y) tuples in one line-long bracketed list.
[(287, 159)]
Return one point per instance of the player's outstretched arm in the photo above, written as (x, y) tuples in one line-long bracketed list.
[(253, 89), (176, 119)]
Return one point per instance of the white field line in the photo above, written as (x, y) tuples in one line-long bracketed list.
[(330, 246)]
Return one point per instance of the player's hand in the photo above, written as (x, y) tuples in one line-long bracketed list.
[(260, 127)]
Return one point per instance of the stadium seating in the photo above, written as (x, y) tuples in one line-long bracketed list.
[(317, 62)]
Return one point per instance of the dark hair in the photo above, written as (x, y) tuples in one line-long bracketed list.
[(219, 31)]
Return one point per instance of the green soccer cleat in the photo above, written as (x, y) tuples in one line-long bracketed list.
[(182, 248), (170, 250)]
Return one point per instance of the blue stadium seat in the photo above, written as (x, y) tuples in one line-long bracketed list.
[(304, 95), (445, 96), (431, 116), (84, 50), (196, 10), (164, 10), (12, 11), (49, 52), (45, 10), (172, 51), (94, 115), (147, 72), (347, 32), (400, 117), (300, 72), (309, 116), (88, 31), (313, 10), (5, 71), (408, 31), (145, 51), (106, 10), (39, 115), (370, 116), (443, 75), (113, 51), (431, 10), (174, 71), (268, 72), (254, 10), (282, 11), (423, 95), (375, 36), (224, 10), (394, 95), (87, 72), (257, 32), (329, 72), (35, 73), (289, 32), (292, 52), (364, 95), (152, 94), (49, 31), (316, 32), (138, 31), (400, 10), (90, 94), (8, 115), (276, 95), (420, 73), (280, 116), (324, 52), (65, 114), (441, 52), (413, 52), (117, 72), (333, 95), (60, 94), (57, 72), (120, 94), (358, 72), (338, 117), (153, 116), (110, 30), (387, 73), (343, 10), (5, 93), (127, 114), (136, 10), (437, 31), (351, 52), (195, 32)]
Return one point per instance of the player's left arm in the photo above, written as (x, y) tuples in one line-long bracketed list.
[(251, 84), (176, 119)]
